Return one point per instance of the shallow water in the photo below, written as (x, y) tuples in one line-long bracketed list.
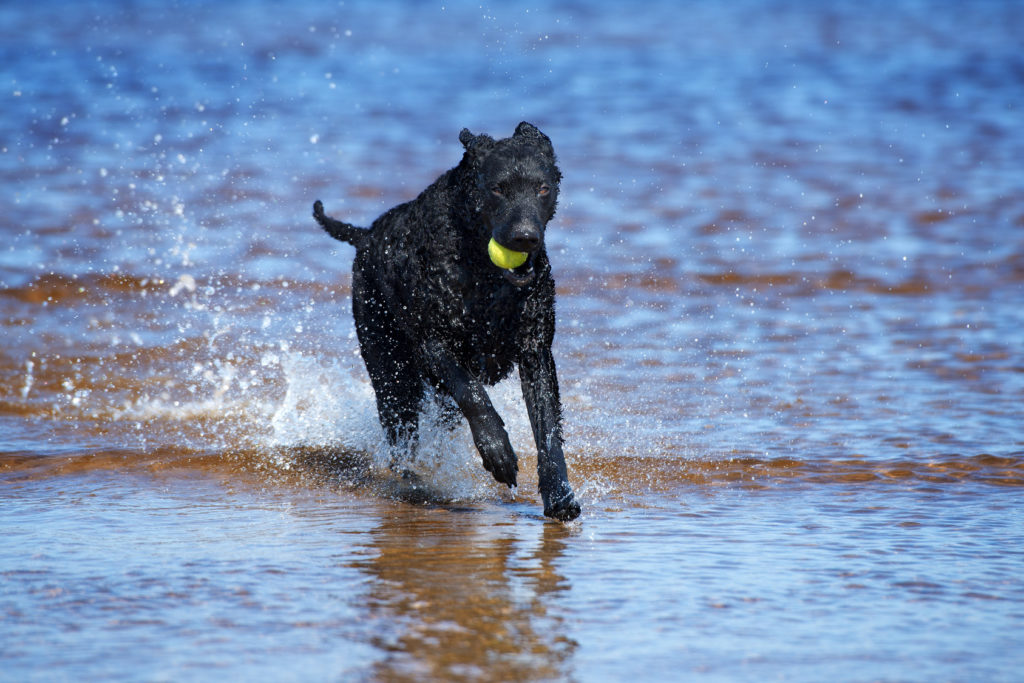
[(790, 261)]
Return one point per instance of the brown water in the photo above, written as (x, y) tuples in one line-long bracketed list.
[(790, 265)]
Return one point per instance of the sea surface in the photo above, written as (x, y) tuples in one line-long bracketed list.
[(790, 265)]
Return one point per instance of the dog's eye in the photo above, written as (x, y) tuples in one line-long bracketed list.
[(543, 190), (495, 190)]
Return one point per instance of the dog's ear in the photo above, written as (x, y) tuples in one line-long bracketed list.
[(526, 129), (475, 144), (531, 132)]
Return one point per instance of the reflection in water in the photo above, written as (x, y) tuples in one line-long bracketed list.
[(455, 598)]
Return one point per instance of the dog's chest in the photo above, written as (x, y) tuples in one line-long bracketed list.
[(491, 320), (494, 313)]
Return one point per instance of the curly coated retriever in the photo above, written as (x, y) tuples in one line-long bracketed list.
[(432, 309)]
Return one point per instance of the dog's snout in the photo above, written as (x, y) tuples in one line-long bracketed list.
[(524, 238)]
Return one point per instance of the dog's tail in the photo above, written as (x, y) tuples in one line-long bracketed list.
[(336, 229)]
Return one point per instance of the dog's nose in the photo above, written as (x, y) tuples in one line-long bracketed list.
[(524, 239)]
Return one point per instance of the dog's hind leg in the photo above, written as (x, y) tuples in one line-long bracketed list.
[(396, 382), (399, 392)]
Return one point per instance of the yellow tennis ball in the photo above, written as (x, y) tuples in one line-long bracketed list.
[(504, 257)]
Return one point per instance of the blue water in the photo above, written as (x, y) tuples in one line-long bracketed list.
[(790, 265)]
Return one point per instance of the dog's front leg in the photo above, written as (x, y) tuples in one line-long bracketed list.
[(540, 391), (487, 427)]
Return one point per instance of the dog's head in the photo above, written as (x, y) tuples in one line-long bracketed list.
[(515, 192)]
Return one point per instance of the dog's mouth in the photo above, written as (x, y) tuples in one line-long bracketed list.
[(516, 266), (521, 275)]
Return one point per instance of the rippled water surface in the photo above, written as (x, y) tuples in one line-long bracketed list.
[(790, 263)]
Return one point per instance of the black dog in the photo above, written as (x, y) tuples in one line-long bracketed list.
[(432, 309)]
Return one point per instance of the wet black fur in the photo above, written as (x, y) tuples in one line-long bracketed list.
[(432, 310)]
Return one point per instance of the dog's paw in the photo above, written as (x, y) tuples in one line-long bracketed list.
[(495, 450), (564, 508), (503, 466), (500, 460)]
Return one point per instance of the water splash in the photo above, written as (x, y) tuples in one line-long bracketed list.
[(331, 407), (29, 378), (324, 404)]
